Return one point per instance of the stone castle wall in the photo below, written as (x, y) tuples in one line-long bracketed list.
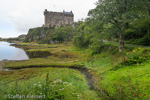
[(58, 19)]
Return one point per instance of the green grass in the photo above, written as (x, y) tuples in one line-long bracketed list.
[(119, 80), (131, 78), (117, 76), (41, 62), (53, 83)]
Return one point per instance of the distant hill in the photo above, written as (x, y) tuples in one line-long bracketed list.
[(23, 36)]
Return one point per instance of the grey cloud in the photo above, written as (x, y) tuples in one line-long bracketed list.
[(25, 14)]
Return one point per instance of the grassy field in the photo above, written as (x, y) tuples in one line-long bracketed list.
[(116, 76), (131, 82), (44, 83)]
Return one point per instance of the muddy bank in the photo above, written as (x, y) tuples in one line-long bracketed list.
[(18, 45), (38, 54), (3, 63), (28, 46), (35, 53), (88, 76)]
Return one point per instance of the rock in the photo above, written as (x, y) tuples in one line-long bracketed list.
[(5, 60), (63, 50)]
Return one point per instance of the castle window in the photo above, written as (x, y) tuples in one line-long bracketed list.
[(55, 21), (61, 17), (64, 22), (68, 20)]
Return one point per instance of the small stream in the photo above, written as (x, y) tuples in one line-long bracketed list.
[(5, 69), (88, 76)]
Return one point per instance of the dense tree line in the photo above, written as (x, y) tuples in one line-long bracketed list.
[(119, 20)]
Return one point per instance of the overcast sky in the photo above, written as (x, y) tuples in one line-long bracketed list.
[(18, 16)]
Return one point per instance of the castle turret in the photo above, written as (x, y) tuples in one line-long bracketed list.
[(45, 12)]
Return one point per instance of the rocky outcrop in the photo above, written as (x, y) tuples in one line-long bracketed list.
[(23, 36), (35, 34), (50, 35), (40, 35)]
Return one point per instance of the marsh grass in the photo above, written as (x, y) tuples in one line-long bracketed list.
[(61, 56), (51, 83), (114, 80)]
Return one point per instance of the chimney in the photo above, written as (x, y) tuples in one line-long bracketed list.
[(45, 12)]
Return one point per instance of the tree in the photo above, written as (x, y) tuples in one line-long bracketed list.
[(63, 33), (115, 15), (144, 7), (83, 34)]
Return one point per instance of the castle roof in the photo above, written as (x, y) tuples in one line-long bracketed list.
[(67, 13), (64, 12)]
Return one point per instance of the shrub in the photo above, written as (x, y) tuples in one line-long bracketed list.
[(78, 41), (145, 40), (129, 91), (136, 56)]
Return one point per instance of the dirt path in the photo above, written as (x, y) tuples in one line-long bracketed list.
[(132, 45)]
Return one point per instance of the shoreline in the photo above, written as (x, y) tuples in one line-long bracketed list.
[(4, 61)]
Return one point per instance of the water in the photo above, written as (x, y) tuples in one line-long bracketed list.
[(11, 53)]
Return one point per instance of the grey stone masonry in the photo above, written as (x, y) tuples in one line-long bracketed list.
[(58, 19)]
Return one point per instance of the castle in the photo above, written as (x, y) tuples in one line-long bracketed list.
[(58, 19)]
